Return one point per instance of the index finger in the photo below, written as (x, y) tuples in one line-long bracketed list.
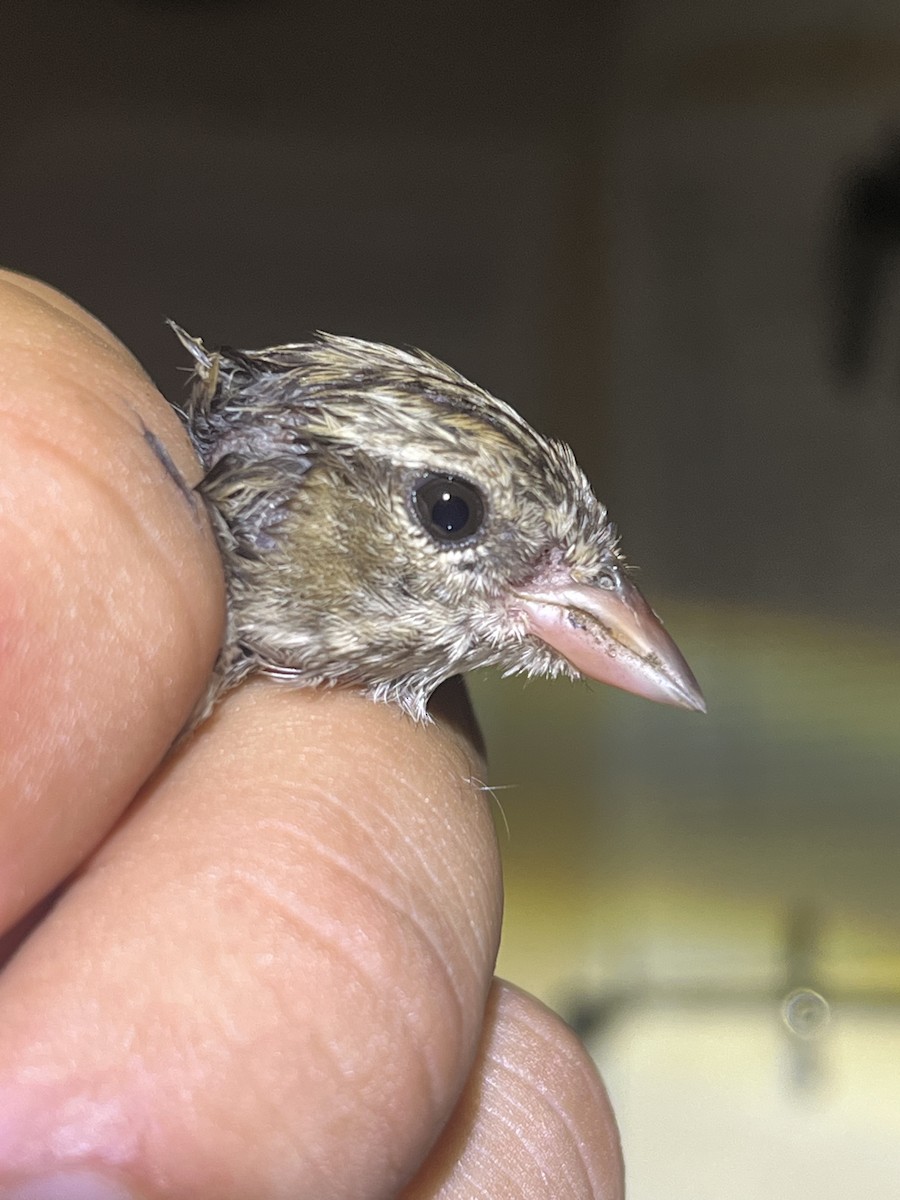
[(111, 594)]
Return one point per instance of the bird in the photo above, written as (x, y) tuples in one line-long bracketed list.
[(386, 524)]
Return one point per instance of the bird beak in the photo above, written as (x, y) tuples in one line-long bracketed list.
[(610, 633)]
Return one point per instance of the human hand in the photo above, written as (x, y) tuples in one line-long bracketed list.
[(270, 973)]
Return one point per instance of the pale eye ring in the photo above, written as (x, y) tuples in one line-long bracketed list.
[(449, 509)]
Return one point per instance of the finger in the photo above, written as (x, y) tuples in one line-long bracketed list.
[(534, 1120), (270, 980), (110, 594)]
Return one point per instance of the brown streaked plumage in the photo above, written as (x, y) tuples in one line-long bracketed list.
[(386, 524)]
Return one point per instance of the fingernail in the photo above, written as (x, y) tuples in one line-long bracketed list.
[(66, 1185)]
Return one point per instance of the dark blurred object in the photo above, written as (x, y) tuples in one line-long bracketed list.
[(868, 239), (423, 174), (198, 4)]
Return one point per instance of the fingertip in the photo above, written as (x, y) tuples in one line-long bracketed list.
[(534, 1119), (111, 597), (315, 880)]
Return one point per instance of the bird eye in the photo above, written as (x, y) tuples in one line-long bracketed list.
[(450, 509)]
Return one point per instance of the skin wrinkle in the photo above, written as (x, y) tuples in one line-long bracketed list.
[(325, 1051), (573, 1060), (528, 1134), (536, 1081), (472, 950), (364, 973), (531, 1130), (474, 1182), (393, 904), (311, 733), (450, 974), (504, 1117), (405, 918), (394, 830), (187, 1093), (423, 858)]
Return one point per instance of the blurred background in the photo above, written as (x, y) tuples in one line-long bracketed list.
[(668, 232)]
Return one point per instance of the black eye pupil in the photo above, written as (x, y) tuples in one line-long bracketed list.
[(450, 509), (450, 513)]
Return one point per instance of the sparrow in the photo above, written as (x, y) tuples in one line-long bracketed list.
[(385, 524)]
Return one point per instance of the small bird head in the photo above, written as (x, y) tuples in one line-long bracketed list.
[(386, 524)]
